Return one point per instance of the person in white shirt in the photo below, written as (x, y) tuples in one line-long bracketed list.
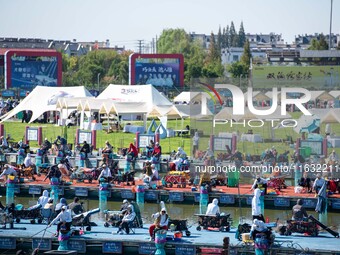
[(260, 183), (8, 170), (155, 174), (129, 216), (161, 222), (213, 208), (28, 161), (256, 209), (4, 143), (64, 218), (43, 199), (105, 173)]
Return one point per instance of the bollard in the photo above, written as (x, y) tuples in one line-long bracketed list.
[(140, 194), (261, 244), (10, 187), (160, 240), (54, 190), (204, 199), (297, 173), (128, 163), (21, 156), (103, 194), (262, 202), (156, 162), (81, 162), (63, 238), (59, 157), (38, 161)]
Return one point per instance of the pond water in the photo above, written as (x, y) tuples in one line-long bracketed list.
[(185, 211)]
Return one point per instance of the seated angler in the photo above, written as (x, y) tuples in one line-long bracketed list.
[(65, 219), (299, 211), (76, 207), (213, 208), (105, 174), (305, 182), (161, 222), (128, 218)]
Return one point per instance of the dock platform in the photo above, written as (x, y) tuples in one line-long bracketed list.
[(105, 240)]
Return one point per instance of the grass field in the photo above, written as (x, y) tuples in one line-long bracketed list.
[(120, 139)]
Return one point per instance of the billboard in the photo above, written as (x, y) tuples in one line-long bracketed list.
[(160, 70), (309, 77), (26, 69)]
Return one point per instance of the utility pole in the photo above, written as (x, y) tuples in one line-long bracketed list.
[(140, 44), (330, 27)]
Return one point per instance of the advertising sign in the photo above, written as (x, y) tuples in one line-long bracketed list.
[(162, 70), (26, 69), (316, 77)]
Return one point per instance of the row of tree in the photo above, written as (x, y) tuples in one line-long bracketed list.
[(112, 67)]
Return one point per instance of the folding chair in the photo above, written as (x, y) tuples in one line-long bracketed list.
[(131, 226), (46, 215)]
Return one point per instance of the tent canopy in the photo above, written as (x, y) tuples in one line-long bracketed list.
[(320, 94), (332, 116), (136, 94), (43, 99)]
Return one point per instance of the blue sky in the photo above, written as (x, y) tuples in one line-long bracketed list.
[(126, 21)]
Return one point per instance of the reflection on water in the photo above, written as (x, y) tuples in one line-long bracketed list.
[(184, 211)]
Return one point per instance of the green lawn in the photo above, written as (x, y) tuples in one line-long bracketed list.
[(120, 139)]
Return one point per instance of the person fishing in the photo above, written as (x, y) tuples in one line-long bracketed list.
[(260, 183), (299, 211), (129, 216), (43, 199), (161, 222), (65, 219), (76, 207), (213, 208), (256, 209)]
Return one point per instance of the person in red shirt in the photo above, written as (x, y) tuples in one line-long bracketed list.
[(132, 151), (157, 151)]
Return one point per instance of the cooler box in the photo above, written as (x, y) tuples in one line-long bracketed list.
[(246, 238)]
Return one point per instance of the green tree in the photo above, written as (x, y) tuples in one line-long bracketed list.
[(173, 41), (233, 41), (219, 40), (246, 56), (241, 68), (213, 67), (237, 69), (213, 52), (178, 41), (319, 44), (241, 36), (227, 37)]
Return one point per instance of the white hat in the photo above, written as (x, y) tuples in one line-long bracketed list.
[(64, 207), (163, 210), (125, 201)]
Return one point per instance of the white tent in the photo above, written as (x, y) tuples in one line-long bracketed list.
[(332, 116), (191, 97), (135, 94), (43, 99)]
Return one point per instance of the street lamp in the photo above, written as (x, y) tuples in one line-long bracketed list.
[(98, 75), (330, 27)]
